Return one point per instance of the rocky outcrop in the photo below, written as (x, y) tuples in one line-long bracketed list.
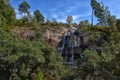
[(23, 32), (50, 35), (53, 36)]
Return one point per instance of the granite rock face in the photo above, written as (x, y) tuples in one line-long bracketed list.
[(52, 36)]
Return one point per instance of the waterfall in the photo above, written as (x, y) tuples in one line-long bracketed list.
[(75, 40), (63, 43), (72, 56), (70, 47), (78, 40)]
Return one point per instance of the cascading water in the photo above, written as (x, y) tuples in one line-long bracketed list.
[(70, 46), (73, 44)]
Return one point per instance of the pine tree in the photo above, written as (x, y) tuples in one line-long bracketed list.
[(118, 24), (103, 14), (112, 22), (84, 23), (69, 20), (39, 17), (23, 8), (7, 12)]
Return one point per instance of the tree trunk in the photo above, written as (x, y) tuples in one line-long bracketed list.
[(92, 18)]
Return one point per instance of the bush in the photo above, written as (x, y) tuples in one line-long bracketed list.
[(24, 59)]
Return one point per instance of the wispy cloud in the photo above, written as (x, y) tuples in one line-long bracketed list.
[(70, 9), (60, 9), (75, 9), (62, 20)]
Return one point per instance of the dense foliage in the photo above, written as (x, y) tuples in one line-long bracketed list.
[(31, 58), (7, 13), (105, 66), (24, 59)]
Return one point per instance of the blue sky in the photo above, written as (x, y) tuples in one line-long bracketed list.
[(60, 9)]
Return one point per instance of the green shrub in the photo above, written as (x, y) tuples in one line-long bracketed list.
[(20, 58)]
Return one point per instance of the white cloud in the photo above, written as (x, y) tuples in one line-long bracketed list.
[(18, 15), (70, 9), (75, 17), (61, 17), (76, 10), (54, 15), (62, 20)]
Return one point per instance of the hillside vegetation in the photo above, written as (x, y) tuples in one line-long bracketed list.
[(28, 46)]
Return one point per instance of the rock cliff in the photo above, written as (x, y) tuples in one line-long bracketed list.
[(50, 35)]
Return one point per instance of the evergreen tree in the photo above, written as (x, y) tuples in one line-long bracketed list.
[(1, 11), (118, 24), (103, 19), (9, 15), (69, 19), (95, 6), (103, 14), (23, 8), (23, 59), (84, 23), (7, 2), (98, 10), (7, 12), (39, 17), (112, 22)]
